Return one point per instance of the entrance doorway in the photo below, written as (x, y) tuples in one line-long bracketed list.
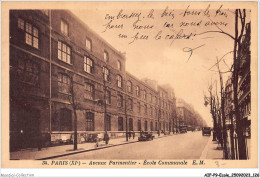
[(26, 129)]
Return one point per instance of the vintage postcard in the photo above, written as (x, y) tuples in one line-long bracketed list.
[(129, 85)]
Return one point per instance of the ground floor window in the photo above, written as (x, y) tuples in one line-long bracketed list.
[(108, 122), (65, 120), (120, 124), (156, 127), (139, 125), (90, 125), (145, 126), (131, 125), (151, 126)]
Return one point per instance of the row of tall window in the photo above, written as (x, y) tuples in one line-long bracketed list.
[(88, 42), (138, 93), (153, 111), (31, 37), (64, 54), (90, 123), (64, 86), (89, 94), (64, 122)]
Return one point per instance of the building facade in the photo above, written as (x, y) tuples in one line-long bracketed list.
[(187, 116), (58, 65), (244, 100)]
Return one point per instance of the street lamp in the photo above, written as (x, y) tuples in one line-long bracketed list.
[(159, 113), (126, 125), (105, 106)]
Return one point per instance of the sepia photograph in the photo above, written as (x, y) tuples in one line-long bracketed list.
[(130, 84)]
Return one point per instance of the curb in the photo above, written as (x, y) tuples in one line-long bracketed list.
[(205, 150), (93, 149), (77, 152)]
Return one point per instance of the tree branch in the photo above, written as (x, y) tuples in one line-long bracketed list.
[(220, 59), (217, 32), (221, 72), (242, 18)]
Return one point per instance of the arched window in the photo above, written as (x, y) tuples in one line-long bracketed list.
[(131, 125), (145, 125), (120, 124), (129, 86), (88, 44), (151, 126), (139, 125), (144, 94), (130, 104), (119, 81), (119, 65), (119, 101), (106, 58), (106, 73), (108, 97), (90, 124), (137, 91)]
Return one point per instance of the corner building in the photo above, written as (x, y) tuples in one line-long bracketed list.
[(51, 52)]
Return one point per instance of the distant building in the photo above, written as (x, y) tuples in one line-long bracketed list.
[(187, 116), (244, 83), (244, 99)]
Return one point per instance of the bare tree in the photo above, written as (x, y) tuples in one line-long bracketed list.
[(237, 55), (240, 15), (210, 100), (223, 115)]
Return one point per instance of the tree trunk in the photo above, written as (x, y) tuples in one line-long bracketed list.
[(75, 130), (126, 125), (232, 137), (224, 129), (241, 139)]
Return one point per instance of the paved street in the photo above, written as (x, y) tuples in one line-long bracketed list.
[(181, 146)]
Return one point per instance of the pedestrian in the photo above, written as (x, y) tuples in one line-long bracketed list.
[(98, 138), (133, 135), (129, 135), (106, 138)]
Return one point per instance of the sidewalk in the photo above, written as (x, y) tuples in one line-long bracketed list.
[(63, 150), (211, 150)]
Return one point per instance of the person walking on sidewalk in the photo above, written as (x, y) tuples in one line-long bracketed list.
[(129, 135), (133, 135), (98, 139), (106, 138)]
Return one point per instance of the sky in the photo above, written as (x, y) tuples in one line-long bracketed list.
[(164, 59)]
